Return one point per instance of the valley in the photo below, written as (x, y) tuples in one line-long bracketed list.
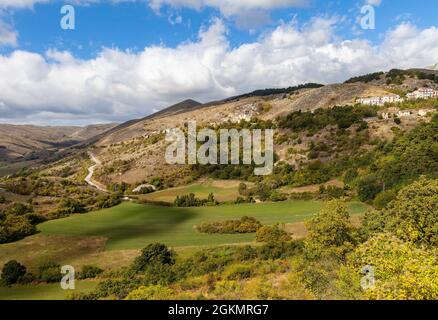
[(348, 173)]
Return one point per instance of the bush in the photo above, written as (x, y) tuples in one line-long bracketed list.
[(190, 200), (278, 196), (89, 272), (384, 198), (279, 250), (368, 188), (272, 234), (2, 198), (14, 228), (244, 225), (49, 272), (402, 270), (330, 232), (155, 253), (238, 272), (412, 216), (156, 292), (11, 273)]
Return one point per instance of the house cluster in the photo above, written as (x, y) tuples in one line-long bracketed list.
[(403, 114), (422, 93), (380, 101)]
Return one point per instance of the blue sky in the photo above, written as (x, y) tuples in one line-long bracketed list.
[(136, 25), (131, 58)]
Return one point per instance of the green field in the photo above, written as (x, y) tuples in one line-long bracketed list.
[(222, 190), (133, 226), (44, 291)]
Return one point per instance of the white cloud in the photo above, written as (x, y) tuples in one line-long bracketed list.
[(120, 85), (229, 7), (375, 3), (8, 36)]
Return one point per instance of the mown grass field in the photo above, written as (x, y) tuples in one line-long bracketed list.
[(133, 226), (111, 238), (44, 291), (222, 190)]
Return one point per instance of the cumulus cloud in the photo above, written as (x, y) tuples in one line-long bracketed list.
[(229, 7), (120, 85)]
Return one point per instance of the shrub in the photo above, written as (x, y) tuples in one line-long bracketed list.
[(89, 272), (238, 272), (384, 198), (244, 225), (412, 216), (369, 187), (49, 272), (278, 196), (13, 228), (402, 270), (156, 292), (330, 232), (12, 271), (155, 253), (2, 198), (279, 250), (272, 234), (190, 200)]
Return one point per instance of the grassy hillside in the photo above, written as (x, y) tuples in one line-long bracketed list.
[(133, 226), (44, 291), (222, 190)]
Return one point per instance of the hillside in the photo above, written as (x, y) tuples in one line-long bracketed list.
[(27, 142), (133, 152)]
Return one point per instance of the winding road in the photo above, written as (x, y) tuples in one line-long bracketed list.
[(89, 177)]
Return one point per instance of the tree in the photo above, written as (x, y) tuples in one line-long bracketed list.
[(369, 187), (12, 271), (155, 253), (243, 189), (401, 270), (413, 215), (384, 198), (330, 232)]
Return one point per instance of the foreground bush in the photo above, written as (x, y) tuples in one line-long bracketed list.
[(402, 271), (151, 293), (11, 273)]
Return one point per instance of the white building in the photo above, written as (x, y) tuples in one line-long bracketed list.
[(422, 113), (380, 101), (423, 93), (403, 114)]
